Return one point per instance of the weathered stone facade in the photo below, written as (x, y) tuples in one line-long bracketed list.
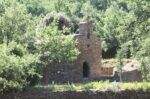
[(86, 67), (132, 76)]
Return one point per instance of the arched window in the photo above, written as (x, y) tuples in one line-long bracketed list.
[(86, 70)]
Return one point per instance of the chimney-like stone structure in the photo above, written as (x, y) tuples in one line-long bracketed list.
[(90, 48)]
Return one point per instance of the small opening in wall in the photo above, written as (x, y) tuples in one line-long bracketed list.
[(86, 70), (88, 45)]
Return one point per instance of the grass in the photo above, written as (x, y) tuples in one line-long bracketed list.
[(100, 86), (136, 86)]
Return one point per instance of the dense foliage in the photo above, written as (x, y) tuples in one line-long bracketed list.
[(117, 22), (25, 47), (17, 67)]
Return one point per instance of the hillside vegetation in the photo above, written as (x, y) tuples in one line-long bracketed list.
[(26, 46)]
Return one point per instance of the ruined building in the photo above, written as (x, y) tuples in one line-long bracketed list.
[(86, 67)]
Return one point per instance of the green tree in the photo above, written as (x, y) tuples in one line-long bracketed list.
[(35, 7), (15, 23), (54, 46), (123, 23), (145, 68), (145, 48), (121, 54)]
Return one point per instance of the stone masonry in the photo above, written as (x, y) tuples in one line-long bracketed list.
[(86, 67)]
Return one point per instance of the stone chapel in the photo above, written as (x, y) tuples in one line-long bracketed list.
[(87, 67)]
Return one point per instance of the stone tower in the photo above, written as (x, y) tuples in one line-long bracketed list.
[(86, 67), (90, 48)]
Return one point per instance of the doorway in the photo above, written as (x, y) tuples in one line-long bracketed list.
[(86, 70)]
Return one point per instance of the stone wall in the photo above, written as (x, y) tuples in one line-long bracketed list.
[(79, 95), (61, 73), (128, 76), (132, 76)]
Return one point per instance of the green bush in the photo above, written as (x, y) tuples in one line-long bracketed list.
[(17, 67), (145, 48), (145, 68)]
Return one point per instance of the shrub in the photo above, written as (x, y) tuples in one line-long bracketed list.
[(145, 68), (17, 67)]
